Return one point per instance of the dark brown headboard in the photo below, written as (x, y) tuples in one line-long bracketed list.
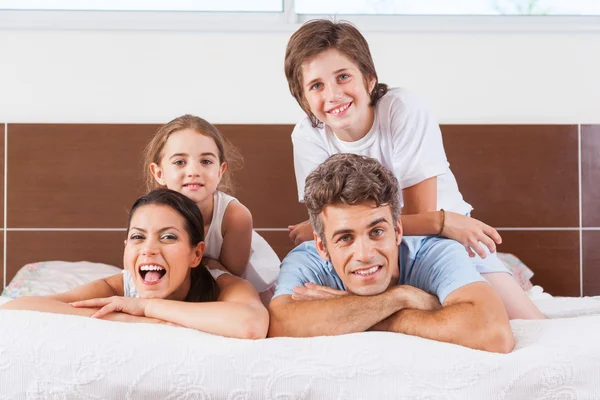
[(69, 187)]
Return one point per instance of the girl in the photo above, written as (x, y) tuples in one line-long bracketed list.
[(191, 156), (330, 72), (163, 279)]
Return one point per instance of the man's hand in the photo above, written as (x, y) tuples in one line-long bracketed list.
[(418, 299), (311, 291)]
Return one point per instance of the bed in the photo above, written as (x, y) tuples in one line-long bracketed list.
[(67, 357), (45, 356)]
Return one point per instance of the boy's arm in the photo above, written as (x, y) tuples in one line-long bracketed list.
[(472, 316)]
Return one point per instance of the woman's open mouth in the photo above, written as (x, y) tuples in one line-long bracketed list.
[(151, 273)]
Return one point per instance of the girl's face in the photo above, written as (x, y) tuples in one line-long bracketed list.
[(336, 94), (190, 165), (158, 254)]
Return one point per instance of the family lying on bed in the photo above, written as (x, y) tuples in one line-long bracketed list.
[(390, 244)]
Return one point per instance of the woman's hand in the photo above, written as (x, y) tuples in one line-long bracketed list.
[(128, 305), (301, 232), (470, 232)]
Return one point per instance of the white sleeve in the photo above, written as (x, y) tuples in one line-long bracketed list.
[(216, 272), (308, 155), (418, 150)]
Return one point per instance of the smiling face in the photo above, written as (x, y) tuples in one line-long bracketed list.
[(362, 244), (158, 253), (337, 95), (190, 165)]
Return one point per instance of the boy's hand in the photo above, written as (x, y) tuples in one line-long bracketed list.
[(301, 232), (471, 233)]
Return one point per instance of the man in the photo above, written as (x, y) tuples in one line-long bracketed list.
[(358, 274)]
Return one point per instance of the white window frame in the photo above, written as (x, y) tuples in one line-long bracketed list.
[(286, 21)]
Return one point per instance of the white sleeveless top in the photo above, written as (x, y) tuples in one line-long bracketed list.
[(129, 289), (214, 236)]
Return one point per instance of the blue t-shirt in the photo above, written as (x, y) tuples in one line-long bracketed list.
[(435, 265)]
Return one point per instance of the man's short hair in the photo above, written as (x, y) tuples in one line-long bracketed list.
[(349, 179)]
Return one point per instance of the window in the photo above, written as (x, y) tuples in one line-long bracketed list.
[(449, 7), (145, 5), (287, 15)]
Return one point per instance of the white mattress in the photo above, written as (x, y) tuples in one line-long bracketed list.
[(45, 356)]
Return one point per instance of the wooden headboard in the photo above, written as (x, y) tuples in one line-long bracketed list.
[(68, 188)]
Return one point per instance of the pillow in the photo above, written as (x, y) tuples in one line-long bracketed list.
[(51, 277), (519, 270), (263, 268)]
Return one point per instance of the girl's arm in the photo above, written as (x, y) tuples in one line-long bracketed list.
[(419, 217), (237, 238)]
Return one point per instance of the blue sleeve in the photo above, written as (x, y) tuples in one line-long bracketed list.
[(301, 265), (441, 267)]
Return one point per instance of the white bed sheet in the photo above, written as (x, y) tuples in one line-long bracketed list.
[(47, 356)]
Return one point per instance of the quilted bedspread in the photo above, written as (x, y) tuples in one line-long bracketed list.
[(49, 356)]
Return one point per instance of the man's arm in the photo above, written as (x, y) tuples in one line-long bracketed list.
[(335, 316), (472, 316)]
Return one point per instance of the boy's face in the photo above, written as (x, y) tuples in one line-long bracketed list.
[(362, 244), (336, 94)]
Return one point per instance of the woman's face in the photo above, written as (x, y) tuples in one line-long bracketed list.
[(158, 254)]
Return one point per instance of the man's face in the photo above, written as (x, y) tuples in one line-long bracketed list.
[(361, 241)]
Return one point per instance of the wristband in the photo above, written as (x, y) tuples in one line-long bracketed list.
[(443, 221)]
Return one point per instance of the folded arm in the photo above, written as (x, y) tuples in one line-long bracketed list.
[(334, 316), (472, 316), (238, 312), (60, 303)]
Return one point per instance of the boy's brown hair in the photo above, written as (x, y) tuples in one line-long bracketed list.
[(317, 36)]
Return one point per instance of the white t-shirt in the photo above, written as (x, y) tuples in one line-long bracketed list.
[(405, 138)]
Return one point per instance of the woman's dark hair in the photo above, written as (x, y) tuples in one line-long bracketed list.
[(204, 287)]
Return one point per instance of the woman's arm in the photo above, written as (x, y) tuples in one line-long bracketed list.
[(60, 303), (237, 313), (237, 238)]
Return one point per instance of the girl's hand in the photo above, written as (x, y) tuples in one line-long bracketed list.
[(128, 305), (301, 232), (470, 232), (211, 263)]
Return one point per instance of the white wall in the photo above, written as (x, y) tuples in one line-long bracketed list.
[(237, 77)]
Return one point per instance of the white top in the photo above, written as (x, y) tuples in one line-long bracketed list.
[(405, 138), (214, 236), (129, 289)]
